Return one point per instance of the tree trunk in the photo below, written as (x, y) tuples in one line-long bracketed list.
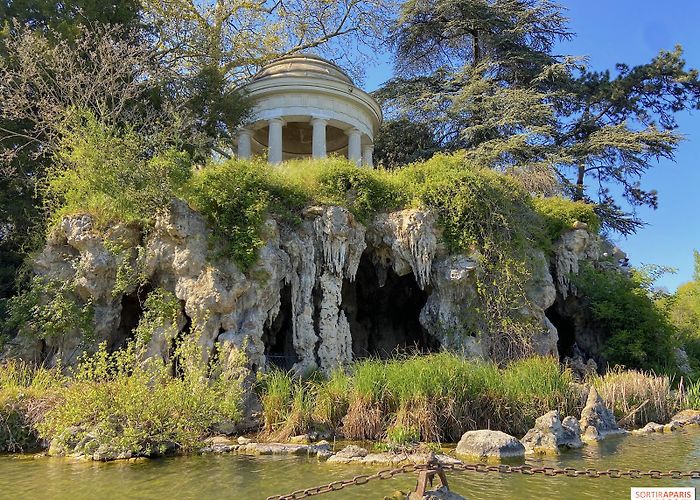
[(578, 194)]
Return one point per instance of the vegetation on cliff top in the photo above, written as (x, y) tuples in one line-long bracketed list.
[(482, 212)]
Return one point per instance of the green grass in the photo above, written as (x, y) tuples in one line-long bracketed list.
[(111, 402), (560, 214), (432, 398)]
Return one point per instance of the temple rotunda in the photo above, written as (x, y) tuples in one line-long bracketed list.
[(305, 106)]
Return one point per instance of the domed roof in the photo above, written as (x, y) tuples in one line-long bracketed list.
[(303, 66)]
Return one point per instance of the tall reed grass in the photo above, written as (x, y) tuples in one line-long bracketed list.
[(437, 397), (638, 397)]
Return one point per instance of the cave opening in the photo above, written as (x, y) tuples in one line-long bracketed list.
[(384, 318), (565, 329), (131, 313), (278, 336), (177, 366)]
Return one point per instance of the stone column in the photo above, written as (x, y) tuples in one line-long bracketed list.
[(367, 151), (274, 141), (244, 144), (318, 147), (355, 145)]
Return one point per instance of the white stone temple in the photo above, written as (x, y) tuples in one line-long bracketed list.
[(305, 106)]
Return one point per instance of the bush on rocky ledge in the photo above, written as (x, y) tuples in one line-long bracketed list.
[(112, 405)]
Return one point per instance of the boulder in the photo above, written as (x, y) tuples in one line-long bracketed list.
[(597, 421), (650, 428), (687, 417), (550, 434), (490, 445), (300, 439), (351, 453)]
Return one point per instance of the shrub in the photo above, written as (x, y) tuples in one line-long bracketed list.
[(236, 196), (637, 332), (120, 405), (692, 396), (111, 175), (26, 392), (683, 309), (560, 214), (161, 311), (50, 308), (275, 390), (332, 399)]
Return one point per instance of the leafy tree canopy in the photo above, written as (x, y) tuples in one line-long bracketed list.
[(483, 76)]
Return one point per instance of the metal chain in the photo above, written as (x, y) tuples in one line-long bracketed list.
[(484, 468), (355, 481)]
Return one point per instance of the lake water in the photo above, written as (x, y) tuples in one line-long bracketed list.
[(237, 477)]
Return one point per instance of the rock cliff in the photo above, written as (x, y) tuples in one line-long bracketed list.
[(321, 293)]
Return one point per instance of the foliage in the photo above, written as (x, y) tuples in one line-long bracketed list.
[(276, 396), (486, 212), (50, 309), (107, 174), (399, 437), (637, 334), (429, 398), (236, 196), (637, 397), (162, 311), (560, 214), (692, 396), (236, 36), (123, 406), (683, 309), (400, 142), (26, 391), (483, 76)]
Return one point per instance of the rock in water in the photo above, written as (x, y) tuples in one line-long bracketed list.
[(489, 445), (550, 434), (597, 421), (351, 453), (687, 417)]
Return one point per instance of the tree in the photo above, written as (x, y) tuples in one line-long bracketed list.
[(483, 76), (684, 312), (238, 36), (19, 173), (400, 142)]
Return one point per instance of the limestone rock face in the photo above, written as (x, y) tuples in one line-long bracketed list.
[(551, 434), (597, 421), (573, 247), (489, 445), (291, 307)]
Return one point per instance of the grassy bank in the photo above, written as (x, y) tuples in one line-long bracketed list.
[(111, 405), (430, 398), (440, 396)]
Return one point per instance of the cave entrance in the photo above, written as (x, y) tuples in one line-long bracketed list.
[(384, 320), (278, 336), (132, 310), (566, 330)]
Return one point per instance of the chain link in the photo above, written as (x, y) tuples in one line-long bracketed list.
[(484, 468)]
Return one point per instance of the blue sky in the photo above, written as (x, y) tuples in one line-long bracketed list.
[(633, 31)]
